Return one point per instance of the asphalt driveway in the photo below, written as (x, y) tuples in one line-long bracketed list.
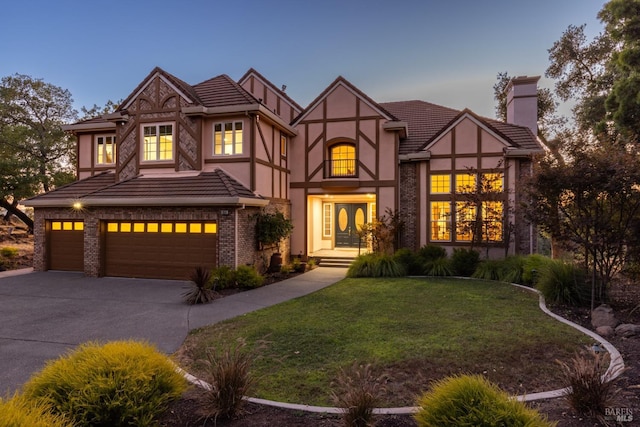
[(44, 314)]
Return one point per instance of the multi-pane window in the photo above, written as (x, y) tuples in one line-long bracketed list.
[(493, 182), (343, 160), (465, 217), (105, 149), (441, 221), (465, 183), (440, 184), (492, 214), (326, 219), (283, 145), (158, 142), (227, 138)]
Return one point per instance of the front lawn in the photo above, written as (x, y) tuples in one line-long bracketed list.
[(413, 330)]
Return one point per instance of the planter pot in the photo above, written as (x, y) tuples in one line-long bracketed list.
[(275, 264)]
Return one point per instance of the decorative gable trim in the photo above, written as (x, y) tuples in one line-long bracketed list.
[(251, 72), (342, 82), (162, 75)]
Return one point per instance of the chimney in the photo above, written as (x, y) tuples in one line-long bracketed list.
[(522, 102)]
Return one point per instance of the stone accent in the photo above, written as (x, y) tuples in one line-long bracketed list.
[(409, 205), (603, 316), (605, 331), (628, 330)]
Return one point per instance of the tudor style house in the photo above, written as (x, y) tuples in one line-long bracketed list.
[(174, 178)]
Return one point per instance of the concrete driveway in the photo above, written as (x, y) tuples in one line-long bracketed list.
[(44, 314)]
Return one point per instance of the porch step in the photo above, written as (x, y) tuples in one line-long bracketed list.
[(334, 261)]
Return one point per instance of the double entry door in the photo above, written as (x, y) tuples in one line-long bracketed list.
[(349, 217)]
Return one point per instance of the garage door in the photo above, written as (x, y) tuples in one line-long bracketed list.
[(158, 249), (66, 245)]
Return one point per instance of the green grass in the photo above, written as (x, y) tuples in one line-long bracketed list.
[(413, 330)]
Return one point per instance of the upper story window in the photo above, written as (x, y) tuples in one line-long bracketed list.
[(440, 184), (465, 183), (227, 138), (493, 182), (105, 149), (158, 142), (342, 160), (283, 145)]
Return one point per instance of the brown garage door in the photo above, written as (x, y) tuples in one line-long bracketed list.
[(158, 249), (66, 245)]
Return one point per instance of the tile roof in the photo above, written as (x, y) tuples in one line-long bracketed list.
[(427, 120), (273, 87), (222, 91), (202, 188)]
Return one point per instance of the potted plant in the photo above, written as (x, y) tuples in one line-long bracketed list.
[(271, 228)]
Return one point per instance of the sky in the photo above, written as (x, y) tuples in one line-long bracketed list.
[(448, 52)]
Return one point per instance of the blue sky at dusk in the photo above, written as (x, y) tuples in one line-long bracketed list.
[(447, 52)]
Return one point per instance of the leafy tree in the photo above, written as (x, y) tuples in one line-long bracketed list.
[(590, 202), (97, 111), (37, 154), (622, 23)]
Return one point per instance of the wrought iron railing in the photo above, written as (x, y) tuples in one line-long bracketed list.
[(341, 168)]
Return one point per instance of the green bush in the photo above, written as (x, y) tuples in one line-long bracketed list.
[(513, 269), (19, 412), (431, 253), (464, 261), (224, 277), (409, 260), (531, 269), (248, 277), (375, 265), (471, 401), (9, 252), (120, 383), (438, 267), (489, 269), (563, 283)]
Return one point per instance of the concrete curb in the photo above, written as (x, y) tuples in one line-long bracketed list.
[(616, 367)]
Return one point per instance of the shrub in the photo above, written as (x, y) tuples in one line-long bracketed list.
[(9, 252), (228, 374), (531, 269), (248, 277), (464, 261), (357, 392), (375, 265), (591, 391), (224, 276), (471, 400), (19, 412), (513, 269), (120, 383), (431, 253), (409, 261), (563, 283), (489, 269), (199, 292), (438, 267)]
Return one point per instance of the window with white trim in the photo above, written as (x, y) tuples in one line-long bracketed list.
[(157, 142), (326, 219), (227, 138), (105, 149)]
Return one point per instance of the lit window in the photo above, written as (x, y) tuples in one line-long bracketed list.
[(112, 227), (105, 149), (493, 182), (67, 225), (492, 221), (210, 228), (158, 142), (227, 138), (441, 221), (283, 145), (465, 217), (125, 227), (181, 227), (166, 227), (343, 160), (152, 227), (138, 227), (56, 225), (78, 225), (465, 183), (440, 184), (326, 219), (195, 228)]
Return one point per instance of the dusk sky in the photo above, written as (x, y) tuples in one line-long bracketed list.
[(447, 52)]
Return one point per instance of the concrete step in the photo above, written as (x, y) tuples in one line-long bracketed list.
[(331, 261)]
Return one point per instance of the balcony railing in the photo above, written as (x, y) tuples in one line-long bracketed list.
[(341, 168)]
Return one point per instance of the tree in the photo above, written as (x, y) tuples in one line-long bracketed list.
[(36, 153), (622, 23), (97, 111), (591, 202)]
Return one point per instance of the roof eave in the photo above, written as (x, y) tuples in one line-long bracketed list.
[(402, 127), (147, 201), (522, 152), (86, 127), (200, 110), (415, 157)]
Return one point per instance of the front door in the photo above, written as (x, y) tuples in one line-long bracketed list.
[(349, 218)]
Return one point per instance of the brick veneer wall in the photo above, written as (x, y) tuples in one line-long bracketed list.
[(408, 206), (93, 215)]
